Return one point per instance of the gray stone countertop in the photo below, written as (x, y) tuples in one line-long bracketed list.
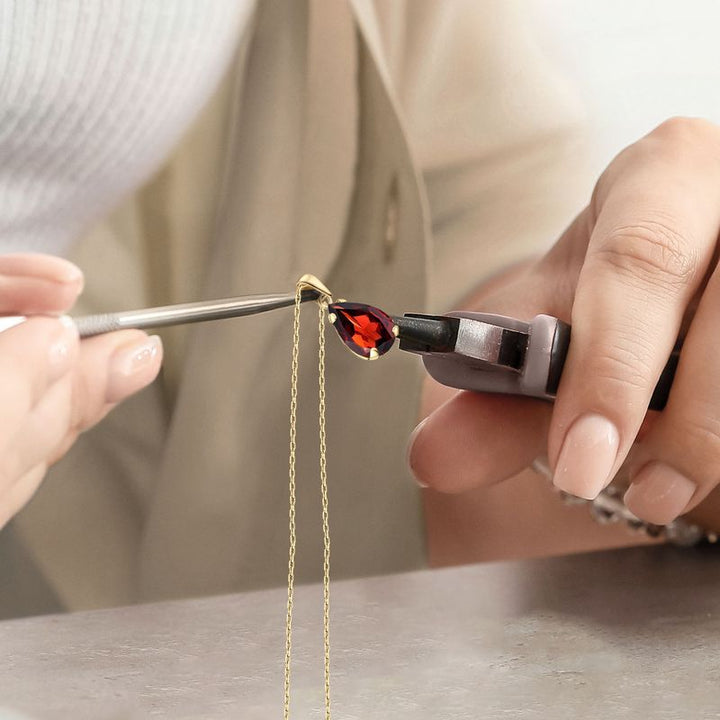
[(625, 634)]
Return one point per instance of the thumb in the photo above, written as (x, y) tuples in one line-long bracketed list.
[(474, 439), (31, 283), (477, 439)]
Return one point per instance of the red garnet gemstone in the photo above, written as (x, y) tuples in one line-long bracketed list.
[(363, 328)]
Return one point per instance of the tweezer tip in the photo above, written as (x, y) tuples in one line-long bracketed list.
[(309, 294)]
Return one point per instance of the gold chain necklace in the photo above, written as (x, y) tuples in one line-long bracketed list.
[(368, 333), (308, 281)]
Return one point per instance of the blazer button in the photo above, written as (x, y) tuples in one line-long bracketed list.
[(392, 211)]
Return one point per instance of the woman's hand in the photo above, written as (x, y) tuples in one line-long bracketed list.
[(636, 269), (52, 387)]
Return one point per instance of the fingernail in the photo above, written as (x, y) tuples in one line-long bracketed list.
[(587, 456), (658, 493), (79, 281), (61, 349), (411, 442), (128, 371), (69, 273)]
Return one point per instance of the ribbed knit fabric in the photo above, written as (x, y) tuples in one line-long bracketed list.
[(93, 95)]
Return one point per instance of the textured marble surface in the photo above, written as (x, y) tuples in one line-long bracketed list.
[(626, 634)]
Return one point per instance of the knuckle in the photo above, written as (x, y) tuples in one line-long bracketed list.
[(651, 251), (680, 139), (682, 131), (676, 138)]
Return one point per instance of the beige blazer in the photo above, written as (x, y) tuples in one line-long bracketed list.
[(340, 131)]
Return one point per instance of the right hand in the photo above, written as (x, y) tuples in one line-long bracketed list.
[(52, 386)]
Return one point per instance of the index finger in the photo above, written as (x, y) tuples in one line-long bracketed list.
[(35, 283), (658, 214)]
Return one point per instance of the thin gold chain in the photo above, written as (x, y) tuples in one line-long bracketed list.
[(292, 503), (325, 505), (291, 484)]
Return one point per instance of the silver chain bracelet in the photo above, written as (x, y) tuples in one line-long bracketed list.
[(608, 508)]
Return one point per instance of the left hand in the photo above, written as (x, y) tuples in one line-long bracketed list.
[(635, 270)]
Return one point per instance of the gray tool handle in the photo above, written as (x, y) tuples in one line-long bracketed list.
[(548, 340)]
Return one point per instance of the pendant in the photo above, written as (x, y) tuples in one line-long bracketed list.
[(365, 330)]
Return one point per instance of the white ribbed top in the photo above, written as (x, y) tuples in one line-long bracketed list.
[(93, 95)]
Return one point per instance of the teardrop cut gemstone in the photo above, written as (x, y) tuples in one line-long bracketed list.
[(366, 330)]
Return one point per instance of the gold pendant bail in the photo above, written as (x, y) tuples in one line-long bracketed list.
[(310, 282)]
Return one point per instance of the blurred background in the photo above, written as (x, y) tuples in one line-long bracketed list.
[(633, 64)]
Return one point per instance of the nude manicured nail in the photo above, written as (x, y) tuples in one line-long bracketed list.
[(587, 456), (130, 367), (658, 493), (61, 350), (66, 272)]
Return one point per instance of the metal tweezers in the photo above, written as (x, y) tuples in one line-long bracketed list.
[(464, 350), (89, 325)]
